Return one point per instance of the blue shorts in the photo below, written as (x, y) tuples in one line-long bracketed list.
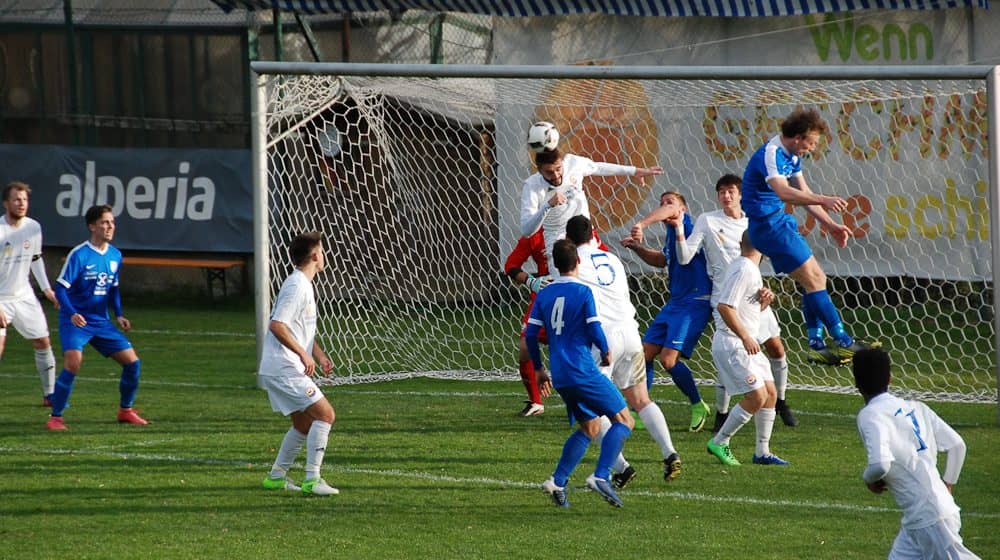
[(102, 335), (778, 237), (679, 325), (596, 396)]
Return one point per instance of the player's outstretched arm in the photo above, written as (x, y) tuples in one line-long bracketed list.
[(649, 256)]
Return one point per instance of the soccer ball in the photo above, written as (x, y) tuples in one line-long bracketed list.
[(543, 137)]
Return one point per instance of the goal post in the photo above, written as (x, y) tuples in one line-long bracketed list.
[(413, 174)]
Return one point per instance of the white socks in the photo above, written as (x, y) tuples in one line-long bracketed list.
[(290, 447), (721, 399), (736, 419), (764, 420), (779, 369), (319, 433), (45, 362), (656, 425)]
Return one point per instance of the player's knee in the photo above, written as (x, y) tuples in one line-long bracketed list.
[(41, 343), (754, 400), (775, 349), (625, 418), (591, 428), (668, 361)]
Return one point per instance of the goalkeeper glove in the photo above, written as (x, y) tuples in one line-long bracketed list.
[(536, 283)]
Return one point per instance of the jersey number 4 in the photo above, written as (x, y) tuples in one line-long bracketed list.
[(916, 428), (556, 319)]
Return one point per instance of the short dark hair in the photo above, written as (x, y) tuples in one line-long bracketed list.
[(94, 213), (15, 186), (727, 180), (871, 371), (579, 230), (546, 157), (302, 246), (564, 255), (803, 121)]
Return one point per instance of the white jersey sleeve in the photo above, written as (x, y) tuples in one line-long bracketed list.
[(688, 248), (295, 306), (533, 204)]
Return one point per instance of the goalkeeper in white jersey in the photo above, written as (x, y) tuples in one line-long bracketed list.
[(605, 274), (719, 233), (554, 194), (902, 439), (21, 238)]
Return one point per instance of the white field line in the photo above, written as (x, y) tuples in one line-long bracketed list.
[(747, 500), (334, 391), (195, 333)]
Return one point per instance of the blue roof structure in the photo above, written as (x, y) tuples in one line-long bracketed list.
[(674, 8)]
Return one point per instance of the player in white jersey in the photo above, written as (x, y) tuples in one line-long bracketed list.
[(554, 194), (736, 353), (288, 362), (902, 439), (719, 233), (605, 274), (21, 238)]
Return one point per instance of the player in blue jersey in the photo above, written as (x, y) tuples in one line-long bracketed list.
[(86, 286), (676, 329), (567, 311), (773, 178)]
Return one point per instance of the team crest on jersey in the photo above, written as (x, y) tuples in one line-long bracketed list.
[(27, 244), (310, 392), (751, 380), (114, 266)]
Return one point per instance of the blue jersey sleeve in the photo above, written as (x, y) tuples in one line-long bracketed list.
[(70, 270), (595, 334)]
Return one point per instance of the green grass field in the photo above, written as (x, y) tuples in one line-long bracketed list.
[(426, 468)]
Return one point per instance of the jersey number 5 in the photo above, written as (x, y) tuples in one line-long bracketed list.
[(556, 319)]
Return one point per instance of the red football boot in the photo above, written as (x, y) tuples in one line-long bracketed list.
[(129, 416)]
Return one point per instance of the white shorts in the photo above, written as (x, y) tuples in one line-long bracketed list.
[(628, 363), (939, 541), (768, 325), (739, 372), (290, 394), (27, 317)]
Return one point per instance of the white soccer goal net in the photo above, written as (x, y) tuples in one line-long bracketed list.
[(416, 184)]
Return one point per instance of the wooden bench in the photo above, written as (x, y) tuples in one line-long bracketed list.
[(215, 269)]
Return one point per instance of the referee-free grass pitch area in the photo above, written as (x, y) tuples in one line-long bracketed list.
[(426, 468)]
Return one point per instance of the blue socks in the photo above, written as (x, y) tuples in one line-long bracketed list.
[(129, 384), (684, 379), (821, 306), (611, 446), (814, 326), (573, 450), (649, 376), (60, 396)]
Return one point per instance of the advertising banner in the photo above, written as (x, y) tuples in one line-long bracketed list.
[(163, 199)]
